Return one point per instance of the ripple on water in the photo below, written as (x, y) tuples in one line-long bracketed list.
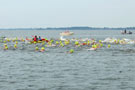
[(104, 69)]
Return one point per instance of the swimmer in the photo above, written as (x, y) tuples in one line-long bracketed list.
[(94, 47), (42, 49), (5, 47), (16, 42), (39, 38), (71, 51), (36, 48), (15, 45), (109, 45)]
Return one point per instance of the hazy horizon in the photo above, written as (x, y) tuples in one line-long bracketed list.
[(66, 13)]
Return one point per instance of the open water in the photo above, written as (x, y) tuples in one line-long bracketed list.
[(104, 69)]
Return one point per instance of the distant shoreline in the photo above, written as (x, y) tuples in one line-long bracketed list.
[(71, 28)]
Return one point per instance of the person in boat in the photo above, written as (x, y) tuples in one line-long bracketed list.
[(130, 32), (35, 38), (39, 38), (125, 31)]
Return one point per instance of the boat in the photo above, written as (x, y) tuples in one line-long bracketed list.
[(66, 33), (125, 32)]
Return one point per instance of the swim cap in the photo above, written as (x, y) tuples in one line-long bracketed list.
[(62, 45), (36, 48), (109, 45), (42, 48), (57, 42), (6, 48), (4, 41), (35, 42), (100, 41), (76, 43), (15, 46), (101, 45), (93, 46), (71, 51), (16, 42)]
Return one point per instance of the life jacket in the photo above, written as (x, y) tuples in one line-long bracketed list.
[(35, 39), (40, 39)]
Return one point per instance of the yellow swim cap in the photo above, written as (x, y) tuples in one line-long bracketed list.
[(52, 41), (4, 41), (15, 46), (8, 40), (76, 43), (71, 51), (36, 48), (88, 43), (100, 41), (35, 42), (101, 45), (62, 45), (93, 46), (57, 42), (6, 48), (42, 48), (109, 45), (13, 40), (16, 42)]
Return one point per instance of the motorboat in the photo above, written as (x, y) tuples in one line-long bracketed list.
[(124, 32), (66, 33)]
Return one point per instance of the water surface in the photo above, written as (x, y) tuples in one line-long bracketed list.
[(105, 69)]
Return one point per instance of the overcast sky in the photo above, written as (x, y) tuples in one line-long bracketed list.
[(64, 13)]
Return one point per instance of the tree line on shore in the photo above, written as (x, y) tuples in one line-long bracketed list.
[(72, 28)]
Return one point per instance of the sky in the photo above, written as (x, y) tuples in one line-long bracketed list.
[(66, 13)]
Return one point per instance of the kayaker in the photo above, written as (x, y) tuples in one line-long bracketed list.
[(39, 38), (125, 31), (35, 38)]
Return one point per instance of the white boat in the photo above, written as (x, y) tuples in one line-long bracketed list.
[(66, 33)]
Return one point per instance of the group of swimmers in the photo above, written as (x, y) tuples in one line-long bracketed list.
[(40, 44)]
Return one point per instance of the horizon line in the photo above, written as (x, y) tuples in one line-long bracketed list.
[(64, 27)]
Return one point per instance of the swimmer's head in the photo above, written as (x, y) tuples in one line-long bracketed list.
[(71, 51)]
